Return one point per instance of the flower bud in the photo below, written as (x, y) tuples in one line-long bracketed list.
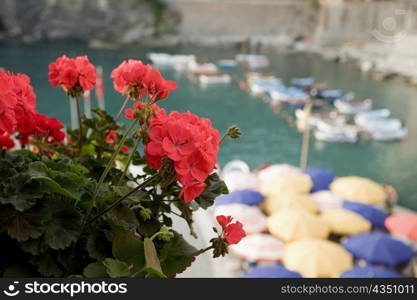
[(234, 132), (220, 247), (164, 234)]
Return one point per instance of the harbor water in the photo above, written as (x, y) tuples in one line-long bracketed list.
[(267, 138)]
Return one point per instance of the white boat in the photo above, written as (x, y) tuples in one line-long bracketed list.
[(203, 69), (171, 60), (382, 124), (215, 79), (227, 64), (341, 136), (261, 84), (353, 107), (289, 95), (254, 61), (389, 135), (372, 114)]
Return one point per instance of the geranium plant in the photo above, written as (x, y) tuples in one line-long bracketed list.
[(70, 204)]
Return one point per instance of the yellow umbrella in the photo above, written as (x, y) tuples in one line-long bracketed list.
[(291, 225), (359, 189), (290, 201), (293, 183), (345, 222), (316, 258)]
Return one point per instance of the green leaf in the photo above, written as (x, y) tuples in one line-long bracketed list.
[(116, 268), (64, 224), (34, 246), (215, 187), (19, 270), (176, 255), (149, 227), (47, 265), (124, 216), (51, 186), (20, 191), (151, 257), (95, 270), (129, 248), (98, 246), (21, 226)]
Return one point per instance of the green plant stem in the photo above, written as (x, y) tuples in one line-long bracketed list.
[(223, 138), (80, 124), (112, 159), (117, 202), (129, 160), (122, 108), (201, 251)]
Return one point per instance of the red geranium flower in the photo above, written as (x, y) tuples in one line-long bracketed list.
[(70, 73), (111, 137), (133, 78), (5, 141), (232, 232), (190, 143)]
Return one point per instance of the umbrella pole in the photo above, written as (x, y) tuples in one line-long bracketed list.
[(306, 136), (73, 112)]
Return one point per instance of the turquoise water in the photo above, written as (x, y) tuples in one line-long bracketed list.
[(267, 137)]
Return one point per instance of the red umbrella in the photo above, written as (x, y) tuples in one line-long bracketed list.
[(404, 225)]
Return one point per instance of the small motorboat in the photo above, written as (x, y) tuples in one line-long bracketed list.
[(203, 69), (254, 61), (389, 135), (302, 83), (215, 79), (372, 114), (171, 60), (227, 64), (346, 136), (260, 84), (382, 124), (288, 95), (328, 95), (353, 107)]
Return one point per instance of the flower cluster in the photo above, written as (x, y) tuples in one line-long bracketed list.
[(133, 78), (190, 142), (111, 139), (74, 75), (18, 113), (232, 232)]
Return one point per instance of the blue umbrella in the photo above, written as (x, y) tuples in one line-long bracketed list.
[(374, 215), (370, 272), (270, 271), (248, 197), (378, 248), (321, 178)]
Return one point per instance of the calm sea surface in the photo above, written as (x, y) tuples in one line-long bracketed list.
[(267, 137)]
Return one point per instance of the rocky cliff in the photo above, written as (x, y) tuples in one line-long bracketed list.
[(120, 21)]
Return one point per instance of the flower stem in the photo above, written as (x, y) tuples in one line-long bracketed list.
[(117, 202), (201, 251), (112, 159), (80, 124), (129, 160), (122, 108)]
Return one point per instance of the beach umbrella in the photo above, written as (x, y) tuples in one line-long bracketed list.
[(359, 189), (299, 183), (251, 217), (247, 197), (270, 271), (291, 225), (237, 176), (370, 271), (403, 225), (259, 248), (378, 248), (372, 214), (276, 170), (321, 178), (290, 201), (326, 200), (316, 258), (345, 222)]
